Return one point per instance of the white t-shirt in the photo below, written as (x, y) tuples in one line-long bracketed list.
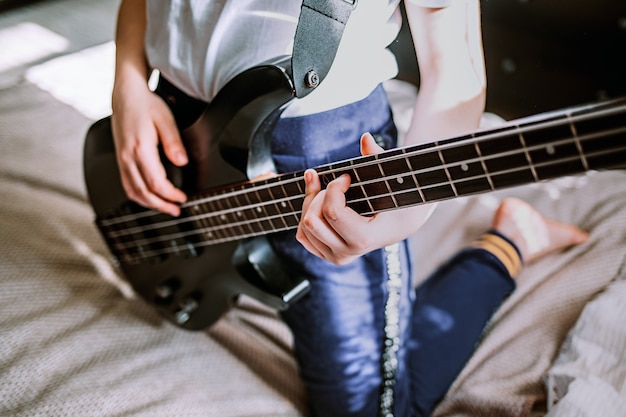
[(199, 45)]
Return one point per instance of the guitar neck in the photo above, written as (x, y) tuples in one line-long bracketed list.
[(520, 152)]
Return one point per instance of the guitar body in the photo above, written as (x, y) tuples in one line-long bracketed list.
[(191, 268), (194, 286)]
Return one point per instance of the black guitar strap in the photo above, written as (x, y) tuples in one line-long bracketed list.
[(317, 38)]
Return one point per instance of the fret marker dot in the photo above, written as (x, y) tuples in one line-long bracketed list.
[(550, 149), (283, 204), (239, 214), (209, 234), (258, 209), (223, 217), (400, 180), (464, 167)]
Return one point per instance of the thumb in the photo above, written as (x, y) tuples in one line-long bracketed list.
[(369, 145)]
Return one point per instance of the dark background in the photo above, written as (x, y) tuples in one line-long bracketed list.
[(547, 54), (540, 54)]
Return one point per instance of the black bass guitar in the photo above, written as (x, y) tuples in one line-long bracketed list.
[(191, 268)]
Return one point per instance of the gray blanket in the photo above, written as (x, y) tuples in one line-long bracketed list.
[(76, 342)]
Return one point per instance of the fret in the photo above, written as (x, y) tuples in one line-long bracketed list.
[(414, 181), (224, 218), (506, 161), (204, 220), (500, 145), (438, 192), (424, 160), (484, 167), (542, 135), (326, 175), (445, 168), (253, 221), (367, 173), (276, 194), (296, 203), (358, 207), (473, 186), (600, 123), (253, 196), (275, 221), (219, 232), (266, 225), (230, 216), (382, 202), (375, 189), (459, 153), (499, 154), (605, 152), (466, 170), (386, 180), (241, 212), (399, 173), (522, 140), (291, 219), (209, 218), (355, 192), (615, 159), (265, 199), (251, 210), (408, 198), (431, 177), (293, 188), (258, 198), (512, 178), (579, 147), (604, 143), (559, 169), (461, 160), (553, 152)]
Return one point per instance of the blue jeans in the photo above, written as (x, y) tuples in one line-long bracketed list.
[(338, 327)]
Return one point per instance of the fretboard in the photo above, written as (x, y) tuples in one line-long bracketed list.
[(520, 152)]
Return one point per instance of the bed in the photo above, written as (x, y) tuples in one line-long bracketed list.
[(76, 340)]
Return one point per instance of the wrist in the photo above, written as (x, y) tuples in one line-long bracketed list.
[(129, 82)]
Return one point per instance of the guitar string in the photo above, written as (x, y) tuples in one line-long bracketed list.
[(295, 213), (142, 253), (213, 233), (285, 202), (562, 119)]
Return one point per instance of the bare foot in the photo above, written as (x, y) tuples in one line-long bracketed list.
[(533, 234)]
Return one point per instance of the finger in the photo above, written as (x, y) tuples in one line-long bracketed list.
[(346, 224), (170, 140), (311, 244), (369, 145), (312, 187), (154, 185), (313, 231), (136, 190)]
